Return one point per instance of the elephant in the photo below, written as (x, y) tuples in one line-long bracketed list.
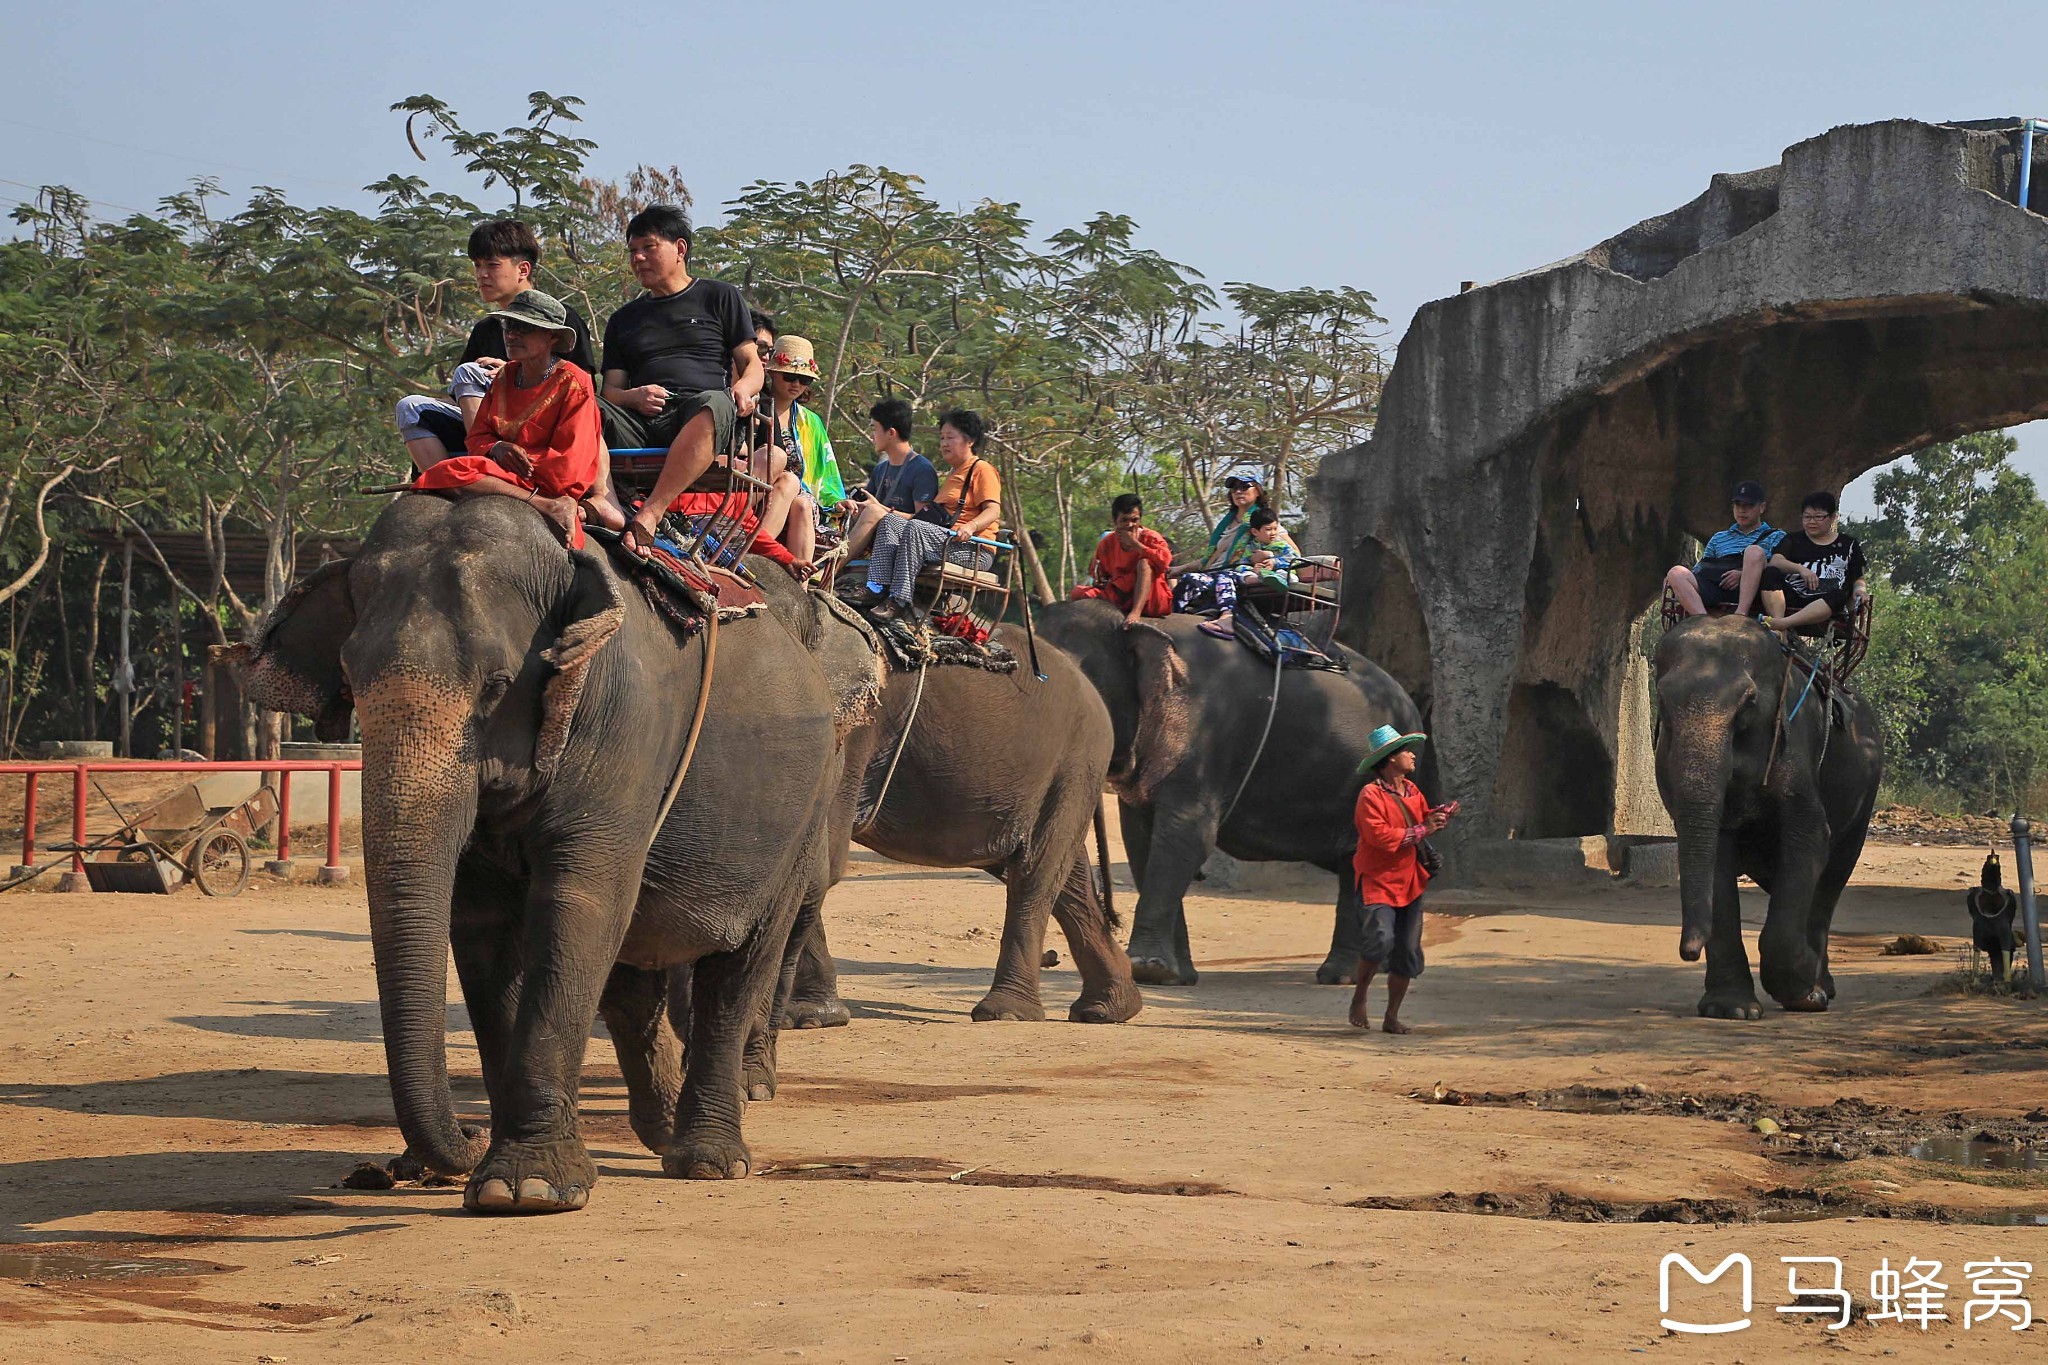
[(523, 713), (1764, 778), (999, 771), (1187, 710)]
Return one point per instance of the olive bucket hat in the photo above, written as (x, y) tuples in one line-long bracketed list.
[(543, 311), (1386, 742)]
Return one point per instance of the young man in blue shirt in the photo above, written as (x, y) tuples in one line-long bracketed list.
[(1727, 573)]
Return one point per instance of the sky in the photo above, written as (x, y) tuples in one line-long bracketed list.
[(1396, 147)]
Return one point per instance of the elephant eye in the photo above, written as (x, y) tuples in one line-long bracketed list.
[(494, 689)]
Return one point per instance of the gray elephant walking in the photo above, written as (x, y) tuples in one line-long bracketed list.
[(1186, 710), (1000, 771), (522, 715), (1763, 778)]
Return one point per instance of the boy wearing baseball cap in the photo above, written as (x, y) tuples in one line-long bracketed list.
[(1393, 818)]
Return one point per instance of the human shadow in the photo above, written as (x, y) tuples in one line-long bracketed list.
[(332, 935), (345, 1021)]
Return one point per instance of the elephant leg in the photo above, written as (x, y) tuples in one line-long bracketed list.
[(812, 1000), (761, 1036), (1183, 833), (575, 920), (1827, 893), (1730, 993), (1136, 824), (634, 1006), (728, 991), (484, 938), (1108, 994), (1026, 902), (1789, 959), (1340, 967)]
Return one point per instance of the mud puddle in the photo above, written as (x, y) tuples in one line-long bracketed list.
[(1975, 1156), (1847, 1129), (931, 1170), (38, 1265), (1785, 1205)]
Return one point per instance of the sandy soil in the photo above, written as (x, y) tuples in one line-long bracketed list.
[(186, 1081)]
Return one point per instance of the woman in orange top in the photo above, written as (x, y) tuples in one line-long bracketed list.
[(536, 437)]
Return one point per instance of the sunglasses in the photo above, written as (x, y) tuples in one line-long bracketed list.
[(522, 329), (802, 379)]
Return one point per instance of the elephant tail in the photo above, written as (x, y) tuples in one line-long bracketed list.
[(1102, 863)]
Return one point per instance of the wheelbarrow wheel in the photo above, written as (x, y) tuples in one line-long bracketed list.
[(221, 863)]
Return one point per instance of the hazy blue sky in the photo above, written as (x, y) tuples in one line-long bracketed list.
[(1396, 147)]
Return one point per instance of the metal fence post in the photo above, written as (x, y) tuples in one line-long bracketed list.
[(2023, 858), (334, 870), (28, 827)]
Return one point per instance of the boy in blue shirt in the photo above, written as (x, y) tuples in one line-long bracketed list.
[(1731, 567)]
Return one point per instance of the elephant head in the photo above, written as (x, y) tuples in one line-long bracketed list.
[(462, 635), (1143, 681)]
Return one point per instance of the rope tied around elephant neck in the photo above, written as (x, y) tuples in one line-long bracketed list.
[(1279, 662), (874, 812), (675, 784)]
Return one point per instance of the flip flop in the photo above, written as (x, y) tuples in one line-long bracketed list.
[(1218, 630)]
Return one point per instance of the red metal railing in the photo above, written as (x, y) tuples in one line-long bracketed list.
[(81, 771)]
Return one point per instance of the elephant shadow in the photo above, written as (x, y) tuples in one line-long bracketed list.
[(323, 1099), (189, 1198)]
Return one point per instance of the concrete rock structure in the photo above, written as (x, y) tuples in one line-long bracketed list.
[(1547, 442)]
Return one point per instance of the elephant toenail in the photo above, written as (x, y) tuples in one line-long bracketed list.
[(492, 1194), (534, 1190)]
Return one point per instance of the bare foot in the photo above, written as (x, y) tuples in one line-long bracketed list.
[(1392, 1025), (1361, 1017), (561, 514), (605, 512)]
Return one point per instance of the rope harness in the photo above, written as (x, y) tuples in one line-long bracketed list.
[(874, 812), (1273, 706), (675, 784)]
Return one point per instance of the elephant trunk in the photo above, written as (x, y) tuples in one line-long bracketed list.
[(419, 802), (1699, 795)]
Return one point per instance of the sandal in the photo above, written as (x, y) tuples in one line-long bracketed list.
[(1217, 630), (637, 539)]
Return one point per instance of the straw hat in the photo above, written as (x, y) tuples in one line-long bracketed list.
[(1386, 742), (793, 355), (544, 311)]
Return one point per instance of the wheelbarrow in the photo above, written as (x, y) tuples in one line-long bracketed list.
[(177, 840)]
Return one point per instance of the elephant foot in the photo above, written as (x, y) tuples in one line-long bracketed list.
[(1005, 1004), (551, 1177), (654, 1131), (1161, 969), (1814, 1001), (708, 1159), (1119, 1001), (1338, 971), (761, 1081), (1730, 1005), (1827, 982), (830, 1013)]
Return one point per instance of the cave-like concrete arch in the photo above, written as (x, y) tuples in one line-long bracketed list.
[(1546, 442)]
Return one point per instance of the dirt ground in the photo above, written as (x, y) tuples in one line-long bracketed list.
[(1233, 1175)]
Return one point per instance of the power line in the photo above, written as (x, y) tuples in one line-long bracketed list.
[(23, 184), (177, 156)]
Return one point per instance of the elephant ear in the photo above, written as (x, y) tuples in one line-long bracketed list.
[(592, 614), (1164, 723), (295, 663)]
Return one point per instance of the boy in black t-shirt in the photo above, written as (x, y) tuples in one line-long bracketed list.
[(667, 358), (504, 254), (1817, 572)]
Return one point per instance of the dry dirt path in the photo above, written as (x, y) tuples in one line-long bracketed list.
[(186, 1081)]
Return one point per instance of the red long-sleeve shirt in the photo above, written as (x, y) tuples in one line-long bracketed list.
[(1390, 830)]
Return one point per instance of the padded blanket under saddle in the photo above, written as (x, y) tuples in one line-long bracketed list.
[(682, 590), (909, 646)]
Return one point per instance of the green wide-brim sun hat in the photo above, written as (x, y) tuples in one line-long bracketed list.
[(1386, 742), (543, 312)]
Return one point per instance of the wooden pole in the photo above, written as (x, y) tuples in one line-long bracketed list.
[(124, 680)]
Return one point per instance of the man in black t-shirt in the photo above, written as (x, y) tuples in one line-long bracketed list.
[(504, 254), (669, 357), (1816, 573)]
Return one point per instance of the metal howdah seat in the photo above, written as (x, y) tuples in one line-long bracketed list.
[(714, 534), (969, 603), (1846, 634), (1312, 604)]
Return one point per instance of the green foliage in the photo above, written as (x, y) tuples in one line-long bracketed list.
[(1958, 663), (232, 373)]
